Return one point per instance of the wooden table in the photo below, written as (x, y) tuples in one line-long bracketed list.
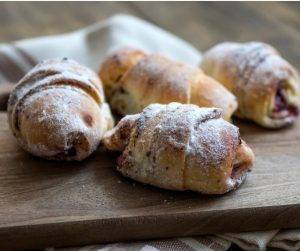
[(202, 24)]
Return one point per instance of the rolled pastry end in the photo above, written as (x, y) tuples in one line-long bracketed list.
[(117, 138), (284, 106), (242, 164)]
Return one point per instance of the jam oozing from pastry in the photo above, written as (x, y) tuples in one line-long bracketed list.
[(282, 109)]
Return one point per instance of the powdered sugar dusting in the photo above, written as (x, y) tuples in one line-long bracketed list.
[(64, 100), (204, 127), (61, 115), (243, 60), (253, 72), (206, 131), (52, 71), (197, 137)]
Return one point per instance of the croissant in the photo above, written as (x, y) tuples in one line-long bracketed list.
[(57, 111), (266, 85), (181, 147), (133, 80)]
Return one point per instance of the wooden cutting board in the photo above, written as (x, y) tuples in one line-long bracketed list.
[(44, 203)]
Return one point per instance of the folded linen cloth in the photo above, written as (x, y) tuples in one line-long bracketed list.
[(89, 46)]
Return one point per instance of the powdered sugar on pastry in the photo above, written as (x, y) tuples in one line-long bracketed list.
[(181, 147), (57, 111), (256, 73)]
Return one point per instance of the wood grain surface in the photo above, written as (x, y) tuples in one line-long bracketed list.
[(60, 204), (46, 203)]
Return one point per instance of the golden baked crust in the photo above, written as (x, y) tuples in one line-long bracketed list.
[(57, 111), (266, 85), (118, 64), (145, 79), (181, 147)]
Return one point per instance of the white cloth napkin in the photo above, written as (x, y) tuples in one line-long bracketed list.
[(89, 46)]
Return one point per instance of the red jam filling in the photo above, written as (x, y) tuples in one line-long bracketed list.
[(282, 109)]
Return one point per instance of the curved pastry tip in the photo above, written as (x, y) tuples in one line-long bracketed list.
[(117, 138), (242, 164)]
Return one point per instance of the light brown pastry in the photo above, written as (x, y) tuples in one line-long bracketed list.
[(57, 111), (133, 80), (181, 147), (267, 86)]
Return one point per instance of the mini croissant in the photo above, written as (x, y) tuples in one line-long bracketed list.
[(133, 80), (57, 111), (181, 147), (267, 86)]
